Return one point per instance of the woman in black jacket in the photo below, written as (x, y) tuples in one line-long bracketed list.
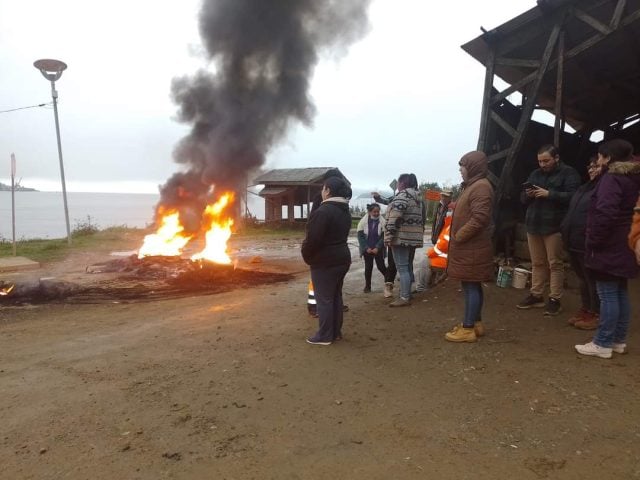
[(573, 230), (325, 250)]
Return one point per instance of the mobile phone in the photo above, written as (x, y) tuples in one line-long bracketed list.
[(527, 185)]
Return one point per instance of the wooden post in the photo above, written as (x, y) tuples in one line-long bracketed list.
[(527, 111), (558, 125), (291, 214), (486, 99), (13, 201)]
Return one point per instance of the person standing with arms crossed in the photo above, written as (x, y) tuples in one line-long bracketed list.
[(547, 193)]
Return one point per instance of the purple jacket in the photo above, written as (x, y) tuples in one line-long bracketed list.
[(609, 221)]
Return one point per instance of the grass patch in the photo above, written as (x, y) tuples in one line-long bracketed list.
[(45, 250)]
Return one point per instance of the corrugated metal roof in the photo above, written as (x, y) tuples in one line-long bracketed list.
[(294, 176)]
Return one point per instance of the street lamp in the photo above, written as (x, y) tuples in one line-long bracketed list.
[(52, 71)]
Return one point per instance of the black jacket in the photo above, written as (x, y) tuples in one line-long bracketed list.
[(325, 243), (574, 225), (544, 215)]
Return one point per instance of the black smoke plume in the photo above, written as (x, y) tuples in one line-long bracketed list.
[(263, 53)]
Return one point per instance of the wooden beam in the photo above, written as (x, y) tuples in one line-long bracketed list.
[(498, 155), (527, 111), (492, 178), (617, 14), (600, 36), (503, 124), (521, 36), (559, 84), (575, 51), (591, 21), (498, 97), (486, 96), (517, 62)]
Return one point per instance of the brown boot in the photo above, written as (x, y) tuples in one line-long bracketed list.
[(589, 322)]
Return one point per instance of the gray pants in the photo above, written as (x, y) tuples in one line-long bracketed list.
[(327, 285)]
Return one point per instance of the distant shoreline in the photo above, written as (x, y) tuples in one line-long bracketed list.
[(18, 188)]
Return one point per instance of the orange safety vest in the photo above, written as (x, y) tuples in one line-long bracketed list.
[(438, 253)]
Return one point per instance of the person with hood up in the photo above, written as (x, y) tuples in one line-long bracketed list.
[(370, 233), (404, 232), (470, 256), (607, 255), (325, 250)]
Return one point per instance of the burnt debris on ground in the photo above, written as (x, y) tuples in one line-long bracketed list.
[(131, 279)]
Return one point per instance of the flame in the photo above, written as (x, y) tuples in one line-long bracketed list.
[(168, 240), (218, 232)]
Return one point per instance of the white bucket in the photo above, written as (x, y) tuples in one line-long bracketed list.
[(520, 277)]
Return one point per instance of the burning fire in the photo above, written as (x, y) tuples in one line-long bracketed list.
[(169, 240), (218, 232)]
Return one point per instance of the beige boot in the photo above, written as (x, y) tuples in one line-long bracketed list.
[(478, 328), (460, 334), (388, 290)]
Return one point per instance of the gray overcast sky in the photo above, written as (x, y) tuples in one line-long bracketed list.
[(405, 98)]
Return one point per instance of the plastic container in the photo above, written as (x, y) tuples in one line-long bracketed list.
[(505, 276), (520, 277)]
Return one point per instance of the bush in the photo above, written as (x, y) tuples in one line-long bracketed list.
[(84, 228)]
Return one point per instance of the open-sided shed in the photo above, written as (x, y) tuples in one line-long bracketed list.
[(578, 60), (292, 187)]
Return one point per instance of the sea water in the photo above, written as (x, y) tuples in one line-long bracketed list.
[(41, 214)]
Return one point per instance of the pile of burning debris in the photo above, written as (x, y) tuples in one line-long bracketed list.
[(133, 279)]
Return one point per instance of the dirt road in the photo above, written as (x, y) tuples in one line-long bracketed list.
[(225, 387)]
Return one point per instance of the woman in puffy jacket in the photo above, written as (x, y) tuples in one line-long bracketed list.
[(470, 256), (634, 234), (607, 255)]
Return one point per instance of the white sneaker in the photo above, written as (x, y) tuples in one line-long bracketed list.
[(388, 290), (594, 350), (619, 347)]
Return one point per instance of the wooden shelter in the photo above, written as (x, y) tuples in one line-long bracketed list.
[(292, 187), (577, 59)]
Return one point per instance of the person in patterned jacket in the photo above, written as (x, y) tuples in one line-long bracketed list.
[(404, 232)]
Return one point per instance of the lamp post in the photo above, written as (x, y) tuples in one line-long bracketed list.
[(52, 71)]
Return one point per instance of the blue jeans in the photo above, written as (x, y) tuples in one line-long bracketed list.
[(473, 301), (401, 255), (614, 312)]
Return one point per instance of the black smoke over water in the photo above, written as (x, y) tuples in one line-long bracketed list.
[(264, 53)]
